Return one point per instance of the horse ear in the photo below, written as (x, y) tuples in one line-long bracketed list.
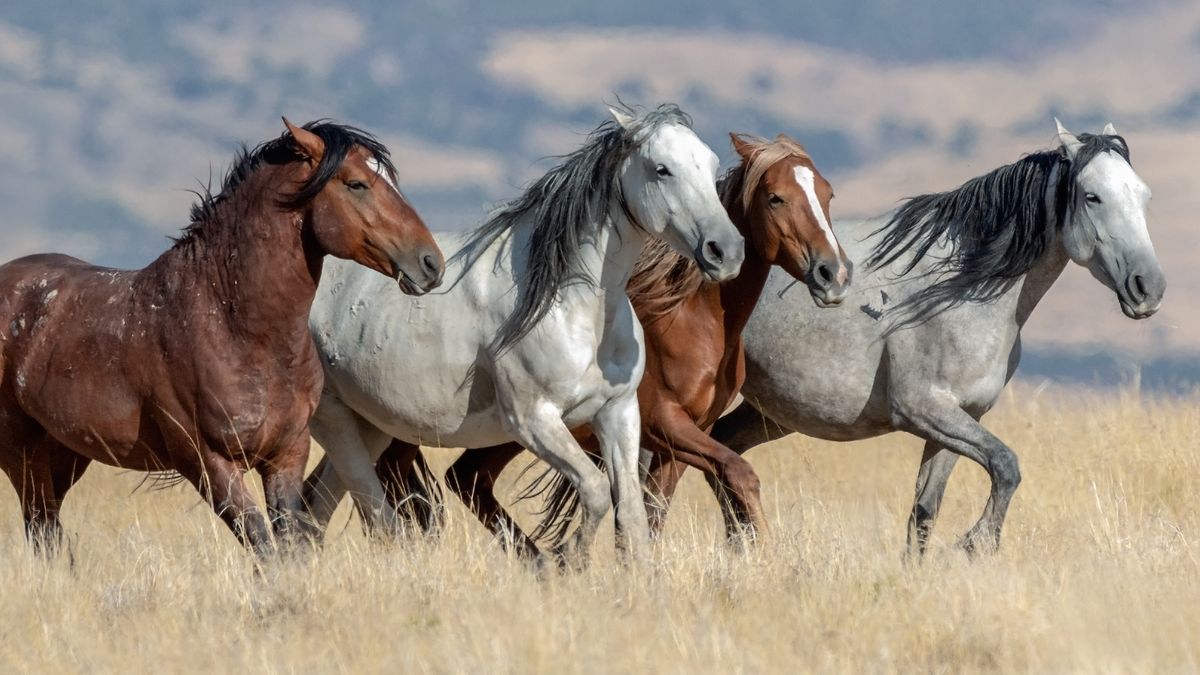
[(310, 143), (1109, 130), (743, 147), (623, 118), (1068, 140)]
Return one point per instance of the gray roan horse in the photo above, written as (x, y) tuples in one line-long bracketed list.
[(535, 335), (930, 334)]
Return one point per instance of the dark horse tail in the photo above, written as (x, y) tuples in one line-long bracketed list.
[(560, 507)]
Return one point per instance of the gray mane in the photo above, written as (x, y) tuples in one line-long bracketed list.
[(998, 226), (563, 206)]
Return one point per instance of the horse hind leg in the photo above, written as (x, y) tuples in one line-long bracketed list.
[(473, 478), (42, 475), (410, 486), (936, 464)]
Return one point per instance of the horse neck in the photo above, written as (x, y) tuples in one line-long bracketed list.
[(257, 263), (1040, 278), (739, 296), (610, 253)]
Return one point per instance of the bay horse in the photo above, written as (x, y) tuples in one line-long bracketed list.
[(932, 332), (201, 364), (535, 336)]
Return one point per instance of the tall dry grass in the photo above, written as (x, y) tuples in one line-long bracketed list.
[(1099, 572)]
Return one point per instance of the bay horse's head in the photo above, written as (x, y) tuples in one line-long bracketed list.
[(669, 184), (786, 204), (355, 210), (1105, 229)]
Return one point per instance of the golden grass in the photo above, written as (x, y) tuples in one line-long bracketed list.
[(1099, 572)]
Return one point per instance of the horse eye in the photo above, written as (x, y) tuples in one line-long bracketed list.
[(662, 171), (1092, 197), (774, 199), (356, 185)]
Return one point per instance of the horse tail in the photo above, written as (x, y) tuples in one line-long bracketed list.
[(561, 507)]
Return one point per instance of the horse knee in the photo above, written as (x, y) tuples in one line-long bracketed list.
[(593, 495), (739, 476), (1005, 471)]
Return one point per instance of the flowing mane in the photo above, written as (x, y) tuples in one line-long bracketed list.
[(339, 140), (663, 278), (562, 206), (997, 226)]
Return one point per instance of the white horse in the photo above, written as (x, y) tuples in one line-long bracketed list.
[(534, 337)]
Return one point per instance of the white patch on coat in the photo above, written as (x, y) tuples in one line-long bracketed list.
[(808, 182)]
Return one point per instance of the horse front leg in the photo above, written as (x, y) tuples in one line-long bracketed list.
[(283, 483), (352, 446), (221, 484), (732, 478), (663, 477), (617, 427), (538, 426), (936, 464), (945, 424)]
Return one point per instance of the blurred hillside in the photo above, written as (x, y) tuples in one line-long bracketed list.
[(110, 111)]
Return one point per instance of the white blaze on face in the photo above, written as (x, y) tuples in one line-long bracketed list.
[(808, 182), (383, 173)]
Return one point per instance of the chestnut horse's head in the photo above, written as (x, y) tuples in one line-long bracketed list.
[(357, 212), (786, 204)]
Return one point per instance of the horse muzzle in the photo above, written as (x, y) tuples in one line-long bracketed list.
[(421, 276), (721, 260), (1140, 295), (828, 283)]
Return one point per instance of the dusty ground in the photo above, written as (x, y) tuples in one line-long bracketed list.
[(1099, 572)]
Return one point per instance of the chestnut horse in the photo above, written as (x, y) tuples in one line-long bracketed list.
[(201, 363), (694, 361)]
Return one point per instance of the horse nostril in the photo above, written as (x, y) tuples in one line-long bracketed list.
[(824, 274), (714, 252), (1139, 285), (430, 264)]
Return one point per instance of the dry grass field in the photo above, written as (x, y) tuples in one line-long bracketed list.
[(1099, 572)]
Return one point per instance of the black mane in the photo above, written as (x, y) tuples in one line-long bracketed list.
[(997, 225), (339, 140)]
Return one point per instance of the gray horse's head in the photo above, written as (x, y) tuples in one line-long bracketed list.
[(1105, 230)]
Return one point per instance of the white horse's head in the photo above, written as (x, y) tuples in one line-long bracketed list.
[(1105, 230), (669, 183)]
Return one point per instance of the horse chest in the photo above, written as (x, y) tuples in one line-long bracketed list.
[(585, 367), (255, 407)]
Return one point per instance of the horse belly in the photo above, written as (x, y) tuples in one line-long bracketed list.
[(823, 390)]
